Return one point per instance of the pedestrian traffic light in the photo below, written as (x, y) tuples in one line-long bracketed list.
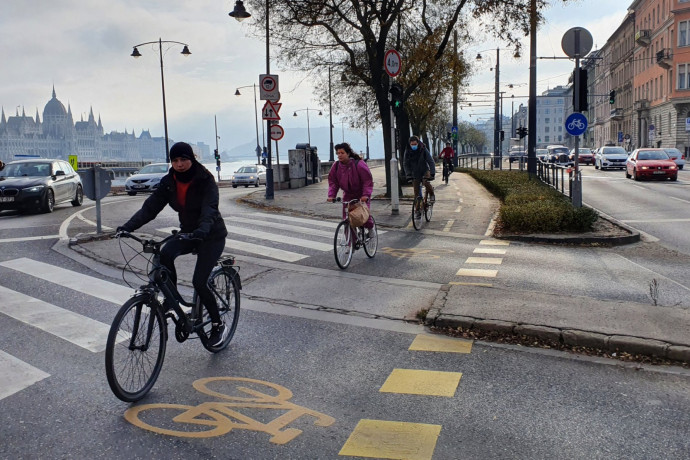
[(397, 98), (216, 154), (612, 97)]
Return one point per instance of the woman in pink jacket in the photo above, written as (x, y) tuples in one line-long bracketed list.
[(351, 175)]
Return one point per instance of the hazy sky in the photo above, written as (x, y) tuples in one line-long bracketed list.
[(84, 47)]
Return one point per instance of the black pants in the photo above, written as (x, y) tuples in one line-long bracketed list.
[(208, 252)]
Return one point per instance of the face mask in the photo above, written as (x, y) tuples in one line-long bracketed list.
[(413, 147)]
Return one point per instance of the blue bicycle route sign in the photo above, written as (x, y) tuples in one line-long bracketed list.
[(576, 124)]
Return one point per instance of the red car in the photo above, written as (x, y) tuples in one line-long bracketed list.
[(652, 164), (586, 156)]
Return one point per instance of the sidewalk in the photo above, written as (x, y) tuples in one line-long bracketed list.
[(571, 320)]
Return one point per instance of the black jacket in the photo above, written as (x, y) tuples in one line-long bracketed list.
[(201, 208), (418, 162)]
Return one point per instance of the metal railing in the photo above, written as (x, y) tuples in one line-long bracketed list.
[(552, 174)]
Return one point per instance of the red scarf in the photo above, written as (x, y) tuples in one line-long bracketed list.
[(182, 192)]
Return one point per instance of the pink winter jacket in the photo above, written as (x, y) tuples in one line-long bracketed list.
[(353, 178)]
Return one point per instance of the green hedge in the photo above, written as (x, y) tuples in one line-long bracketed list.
[(530, 206)]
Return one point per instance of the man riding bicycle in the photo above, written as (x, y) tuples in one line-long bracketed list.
[(447, 155), (191, 190), (420, 166)]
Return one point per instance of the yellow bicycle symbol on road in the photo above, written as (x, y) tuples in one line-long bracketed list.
[(216, 418), (408, 253)]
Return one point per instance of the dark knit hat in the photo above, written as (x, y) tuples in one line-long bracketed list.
[(182, 149)]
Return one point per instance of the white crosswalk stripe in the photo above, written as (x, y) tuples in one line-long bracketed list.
[(73, 328)]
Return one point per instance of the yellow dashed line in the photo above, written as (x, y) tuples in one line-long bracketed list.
[(427, 342), (489, 251), (458, 283), (484, 260), (449, 225), (422, 382), (479, 272), (384, 439), (494, 243)]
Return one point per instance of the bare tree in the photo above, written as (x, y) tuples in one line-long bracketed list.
[(352, 36)]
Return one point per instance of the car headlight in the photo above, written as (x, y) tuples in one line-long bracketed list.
[(251, 177), (644, 167), (35, 188), (673, 167), (154, 180), (232, 178)]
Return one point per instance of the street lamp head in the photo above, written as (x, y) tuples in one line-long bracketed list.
[(240, 13), (185, 51), (343, 78), (517, 54), (237, 92), (479, 57), (294, 114), (135, 53), (320, 113)]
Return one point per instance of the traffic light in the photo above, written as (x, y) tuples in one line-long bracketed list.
[(502, 135), (397, 98), (612, 97), (522, 132), (582, 93), (216, 154), (448, 136)]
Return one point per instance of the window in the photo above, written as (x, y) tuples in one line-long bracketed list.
[(546, 138), (547, 120), (683, 76), (546, 129), (683, 33)]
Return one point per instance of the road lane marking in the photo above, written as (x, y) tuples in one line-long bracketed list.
[(484, 260), (258, 234), (654, 221), (489, 251), (99, 288), (15, 375), (422, 382), (459, 283), (319, 223), (29, 238), (449, 225), (478, 272), (389, 439), (679, 199), (494, 243), (428, 342), (73, 327), (275, 225)]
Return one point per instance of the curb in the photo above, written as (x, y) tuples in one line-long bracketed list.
[(570, 337)]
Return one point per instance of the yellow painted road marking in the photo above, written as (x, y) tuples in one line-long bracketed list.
[(449, 225), (489, 251), (477, 272), (395, 440), (422, 382), (427, 342), (484, 260), (494, 243), (458, 283), (458, 209)]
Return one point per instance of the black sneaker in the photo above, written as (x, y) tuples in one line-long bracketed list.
[(218, 334)]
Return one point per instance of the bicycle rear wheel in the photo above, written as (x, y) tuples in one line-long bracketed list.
[(343, 244), (225, 285), (371, 244), (135, 348), (417, 212), (429, 210)]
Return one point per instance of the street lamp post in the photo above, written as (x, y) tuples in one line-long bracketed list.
[(331, 156), (185, 52), (256, 120), (308, 129)]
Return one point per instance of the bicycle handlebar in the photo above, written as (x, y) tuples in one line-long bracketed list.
[(175, 235)]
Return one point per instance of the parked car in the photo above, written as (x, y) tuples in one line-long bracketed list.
[(651, 164), (676, 156), (146, 179), (517, 155), (39, 184), (558, 154), (542, 154), (249, 175), (585, 156), (608, 157)]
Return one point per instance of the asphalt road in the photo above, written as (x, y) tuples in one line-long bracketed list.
[(350, 369)]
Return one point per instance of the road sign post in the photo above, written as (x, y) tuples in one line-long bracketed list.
[(392, 63)]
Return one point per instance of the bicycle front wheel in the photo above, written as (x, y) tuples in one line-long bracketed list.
[(225, 285), (135, 348), (371, 243), (342, 244), (417, 212), (428, 211)]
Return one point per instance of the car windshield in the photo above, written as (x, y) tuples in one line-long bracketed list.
[(247, 169), (675, 152), (26, 169), (587, 151), (651, 155), (154, 169), (614, 151), (559, 150)]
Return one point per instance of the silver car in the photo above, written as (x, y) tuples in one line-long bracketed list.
[(609, 157), (249, 175), (676, 156), (147, 179)]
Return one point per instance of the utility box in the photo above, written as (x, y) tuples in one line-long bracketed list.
[(304, 165), (96, 182)]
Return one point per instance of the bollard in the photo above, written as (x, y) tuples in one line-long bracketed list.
[(395, 199)]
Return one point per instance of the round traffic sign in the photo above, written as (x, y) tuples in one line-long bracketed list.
[(277, 132), (268, 83), (392, 62), (577, 42), (576, 124)]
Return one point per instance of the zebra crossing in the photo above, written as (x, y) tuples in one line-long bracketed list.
[(277, 236), (73, 328)]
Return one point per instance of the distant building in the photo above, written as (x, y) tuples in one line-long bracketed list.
[(58, 136)]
